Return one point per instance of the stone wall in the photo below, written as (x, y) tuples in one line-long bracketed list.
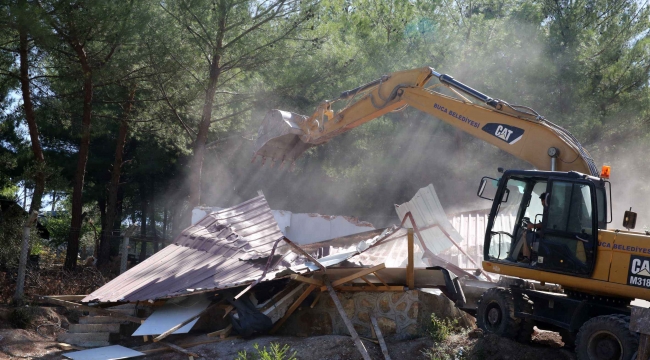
[(399, 314)]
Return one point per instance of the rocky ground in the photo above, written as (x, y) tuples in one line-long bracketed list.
[(38, 341)]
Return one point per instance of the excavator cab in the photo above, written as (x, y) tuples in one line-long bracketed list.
[(545, 220)]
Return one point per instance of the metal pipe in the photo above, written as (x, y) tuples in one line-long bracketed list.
[(553, 164)]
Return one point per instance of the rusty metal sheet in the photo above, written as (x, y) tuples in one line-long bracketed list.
[(210, 254)]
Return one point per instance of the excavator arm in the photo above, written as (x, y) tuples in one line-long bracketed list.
[(518, 130)]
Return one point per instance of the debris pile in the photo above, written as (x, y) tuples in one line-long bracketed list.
[(236, 272)]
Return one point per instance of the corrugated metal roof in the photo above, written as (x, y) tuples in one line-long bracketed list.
[(471, 225), (429, 217), (207, 255)]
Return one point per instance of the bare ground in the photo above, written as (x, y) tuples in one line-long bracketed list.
[(39, 342)]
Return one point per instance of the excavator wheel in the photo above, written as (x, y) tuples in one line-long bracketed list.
[(496, 315), (607, 337)]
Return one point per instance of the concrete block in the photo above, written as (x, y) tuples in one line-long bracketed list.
[(81, 338), (94, 328)]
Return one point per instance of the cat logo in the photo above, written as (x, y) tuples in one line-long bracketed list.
[(507, 133), (639, 274), (503, 133)]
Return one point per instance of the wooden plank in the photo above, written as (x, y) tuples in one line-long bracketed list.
[(368, 288), (306, 280), (187, 345), (346, 320), (67, 297), (227, 310), (644, 347), (380, 279), (68, 347), (72, 305), (171, 331), (368, 282), (380, 337), (179, 349), (356, 275), (293, 308), (279, 296), (221, 332), (410, 266), (316, 300)]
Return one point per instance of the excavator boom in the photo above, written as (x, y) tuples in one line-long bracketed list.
[(518, 130)]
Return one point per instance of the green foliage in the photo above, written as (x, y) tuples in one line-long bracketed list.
[(440, 329), (21, 317), (275, 352)]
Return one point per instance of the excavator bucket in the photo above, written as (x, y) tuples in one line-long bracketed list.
[(278, 138)]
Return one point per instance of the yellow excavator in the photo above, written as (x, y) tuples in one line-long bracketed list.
[(561, 211)]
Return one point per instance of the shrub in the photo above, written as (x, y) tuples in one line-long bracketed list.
[(440, 329), (21, 317), (274, 353)]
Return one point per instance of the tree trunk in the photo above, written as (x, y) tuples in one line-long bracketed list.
[(101, 203), (143, 222), (206, 117), (164, 229), (152, 217), (39, 176), (75, 223), (111, 212)]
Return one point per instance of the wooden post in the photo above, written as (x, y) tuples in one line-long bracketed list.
[(410, 267), (348, 323), (125, 254)]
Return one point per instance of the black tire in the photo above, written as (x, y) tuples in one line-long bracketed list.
[(496, 314), (607, 337)]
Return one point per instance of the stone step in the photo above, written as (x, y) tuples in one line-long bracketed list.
[(99, 320), (80, 338), (94, 328), (125, 311)]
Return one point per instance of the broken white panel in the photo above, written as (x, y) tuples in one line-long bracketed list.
[(430, 218), (303, 228), (174, 312), (104, 353)]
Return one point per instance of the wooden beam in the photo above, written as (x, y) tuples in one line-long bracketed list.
[(227, 310), (346, 320), (368, 288), (72, 305), (380, 279), (171, 331), (410, 267), (368, 282), (293, 308), (68, 347), (179, 349), (187, 345), (299, 250), (316, 300), (67, 297), (356, 275), (380, 337), (307, 280), (225, 331)]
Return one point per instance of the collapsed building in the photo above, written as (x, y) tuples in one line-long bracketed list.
[(247, 269)]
